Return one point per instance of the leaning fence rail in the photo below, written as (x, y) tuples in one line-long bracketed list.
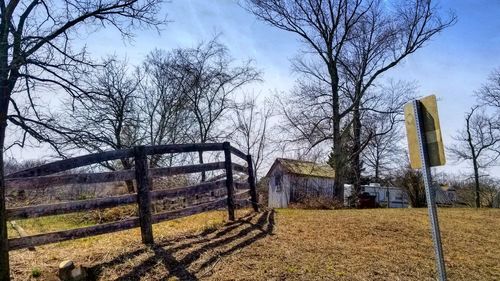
[(234, 193)]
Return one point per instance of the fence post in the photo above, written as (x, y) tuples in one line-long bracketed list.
[(229, 179), (143, 195), (4, 242), (251, 181)]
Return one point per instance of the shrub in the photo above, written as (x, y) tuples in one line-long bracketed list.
[(316, 202), (412, 182)]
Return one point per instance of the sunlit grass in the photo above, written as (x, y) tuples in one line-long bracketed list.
[(375, 244)]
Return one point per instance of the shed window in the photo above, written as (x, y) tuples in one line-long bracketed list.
[(278, 182)]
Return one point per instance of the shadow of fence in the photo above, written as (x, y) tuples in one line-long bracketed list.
[(189, 257)]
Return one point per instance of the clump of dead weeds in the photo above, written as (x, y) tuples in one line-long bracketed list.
[(107, 215), (316, 203)]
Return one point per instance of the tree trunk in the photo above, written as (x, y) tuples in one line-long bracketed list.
[(129, 183), (476, 182), (338, 182), (339, 168), (4, 245), (355, 160), (203, 174)]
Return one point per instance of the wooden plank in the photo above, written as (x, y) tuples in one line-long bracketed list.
[(240, 168), (143, 196), (58, 236), (21, 232), (217, 204), (218, 177), (69, 207), (253, 185), (71, 163), (179, 148), (229, 180), (242, 203), (87, 178), (238, 153), (108, 202), (188, 169), (241, 185), (188, 190), (242, 194)]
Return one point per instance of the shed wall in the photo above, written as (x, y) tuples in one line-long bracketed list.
[(294, 187), (301, 186), (279, 197)]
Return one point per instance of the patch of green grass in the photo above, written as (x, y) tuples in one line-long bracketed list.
[(48, 224), (36, 272)]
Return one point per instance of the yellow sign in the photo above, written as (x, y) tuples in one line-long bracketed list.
[(432, 132)]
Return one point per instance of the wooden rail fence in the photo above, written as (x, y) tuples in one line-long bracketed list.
[(236, 193)]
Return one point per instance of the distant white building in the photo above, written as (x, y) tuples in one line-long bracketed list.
[(395, 197), (392, 197), (290, 179)]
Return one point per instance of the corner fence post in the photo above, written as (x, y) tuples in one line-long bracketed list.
[(251, 182), (229, 179), (143, 195)]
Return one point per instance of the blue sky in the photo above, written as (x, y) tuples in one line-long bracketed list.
[(452, 65)]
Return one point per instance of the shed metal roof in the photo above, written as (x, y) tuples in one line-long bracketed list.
[(305, 168)]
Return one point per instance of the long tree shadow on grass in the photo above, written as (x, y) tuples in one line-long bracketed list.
[(189, 257)]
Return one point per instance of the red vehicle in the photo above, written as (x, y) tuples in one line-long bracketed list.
[(365, 201)]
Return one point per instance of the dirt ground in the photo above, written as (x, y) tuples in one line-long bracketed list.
[(378, 244)]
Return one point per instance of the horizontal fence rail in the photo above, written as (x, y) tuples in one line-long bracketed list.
[(108, 202), (89, 178), (240, 168), (238, 153), (182, 148), (76, 162), (234, 193), (70, 207), (72, 163)]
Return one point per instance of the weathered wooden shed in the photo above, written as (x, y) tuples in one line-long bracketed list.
[(290, 180)]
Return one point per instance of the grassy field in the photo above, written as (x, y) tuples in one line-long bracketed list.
[(378, 244)]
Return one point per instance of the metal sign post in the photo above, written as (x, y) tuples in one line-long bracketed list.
[(429, 192)]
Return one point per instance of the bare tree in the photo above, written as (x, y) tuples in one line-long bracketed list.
[(381, 40), (350, 43), (378, 114), (36, 50), (466, 191), (478, 143), (489, 93), (252, 126), (210, 81), (383, 151), (164, 105), (324, 26), (107, 117)]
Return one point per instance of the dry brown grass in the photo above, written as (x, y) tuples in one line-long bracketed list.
[(379, 244), (311, 202)]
